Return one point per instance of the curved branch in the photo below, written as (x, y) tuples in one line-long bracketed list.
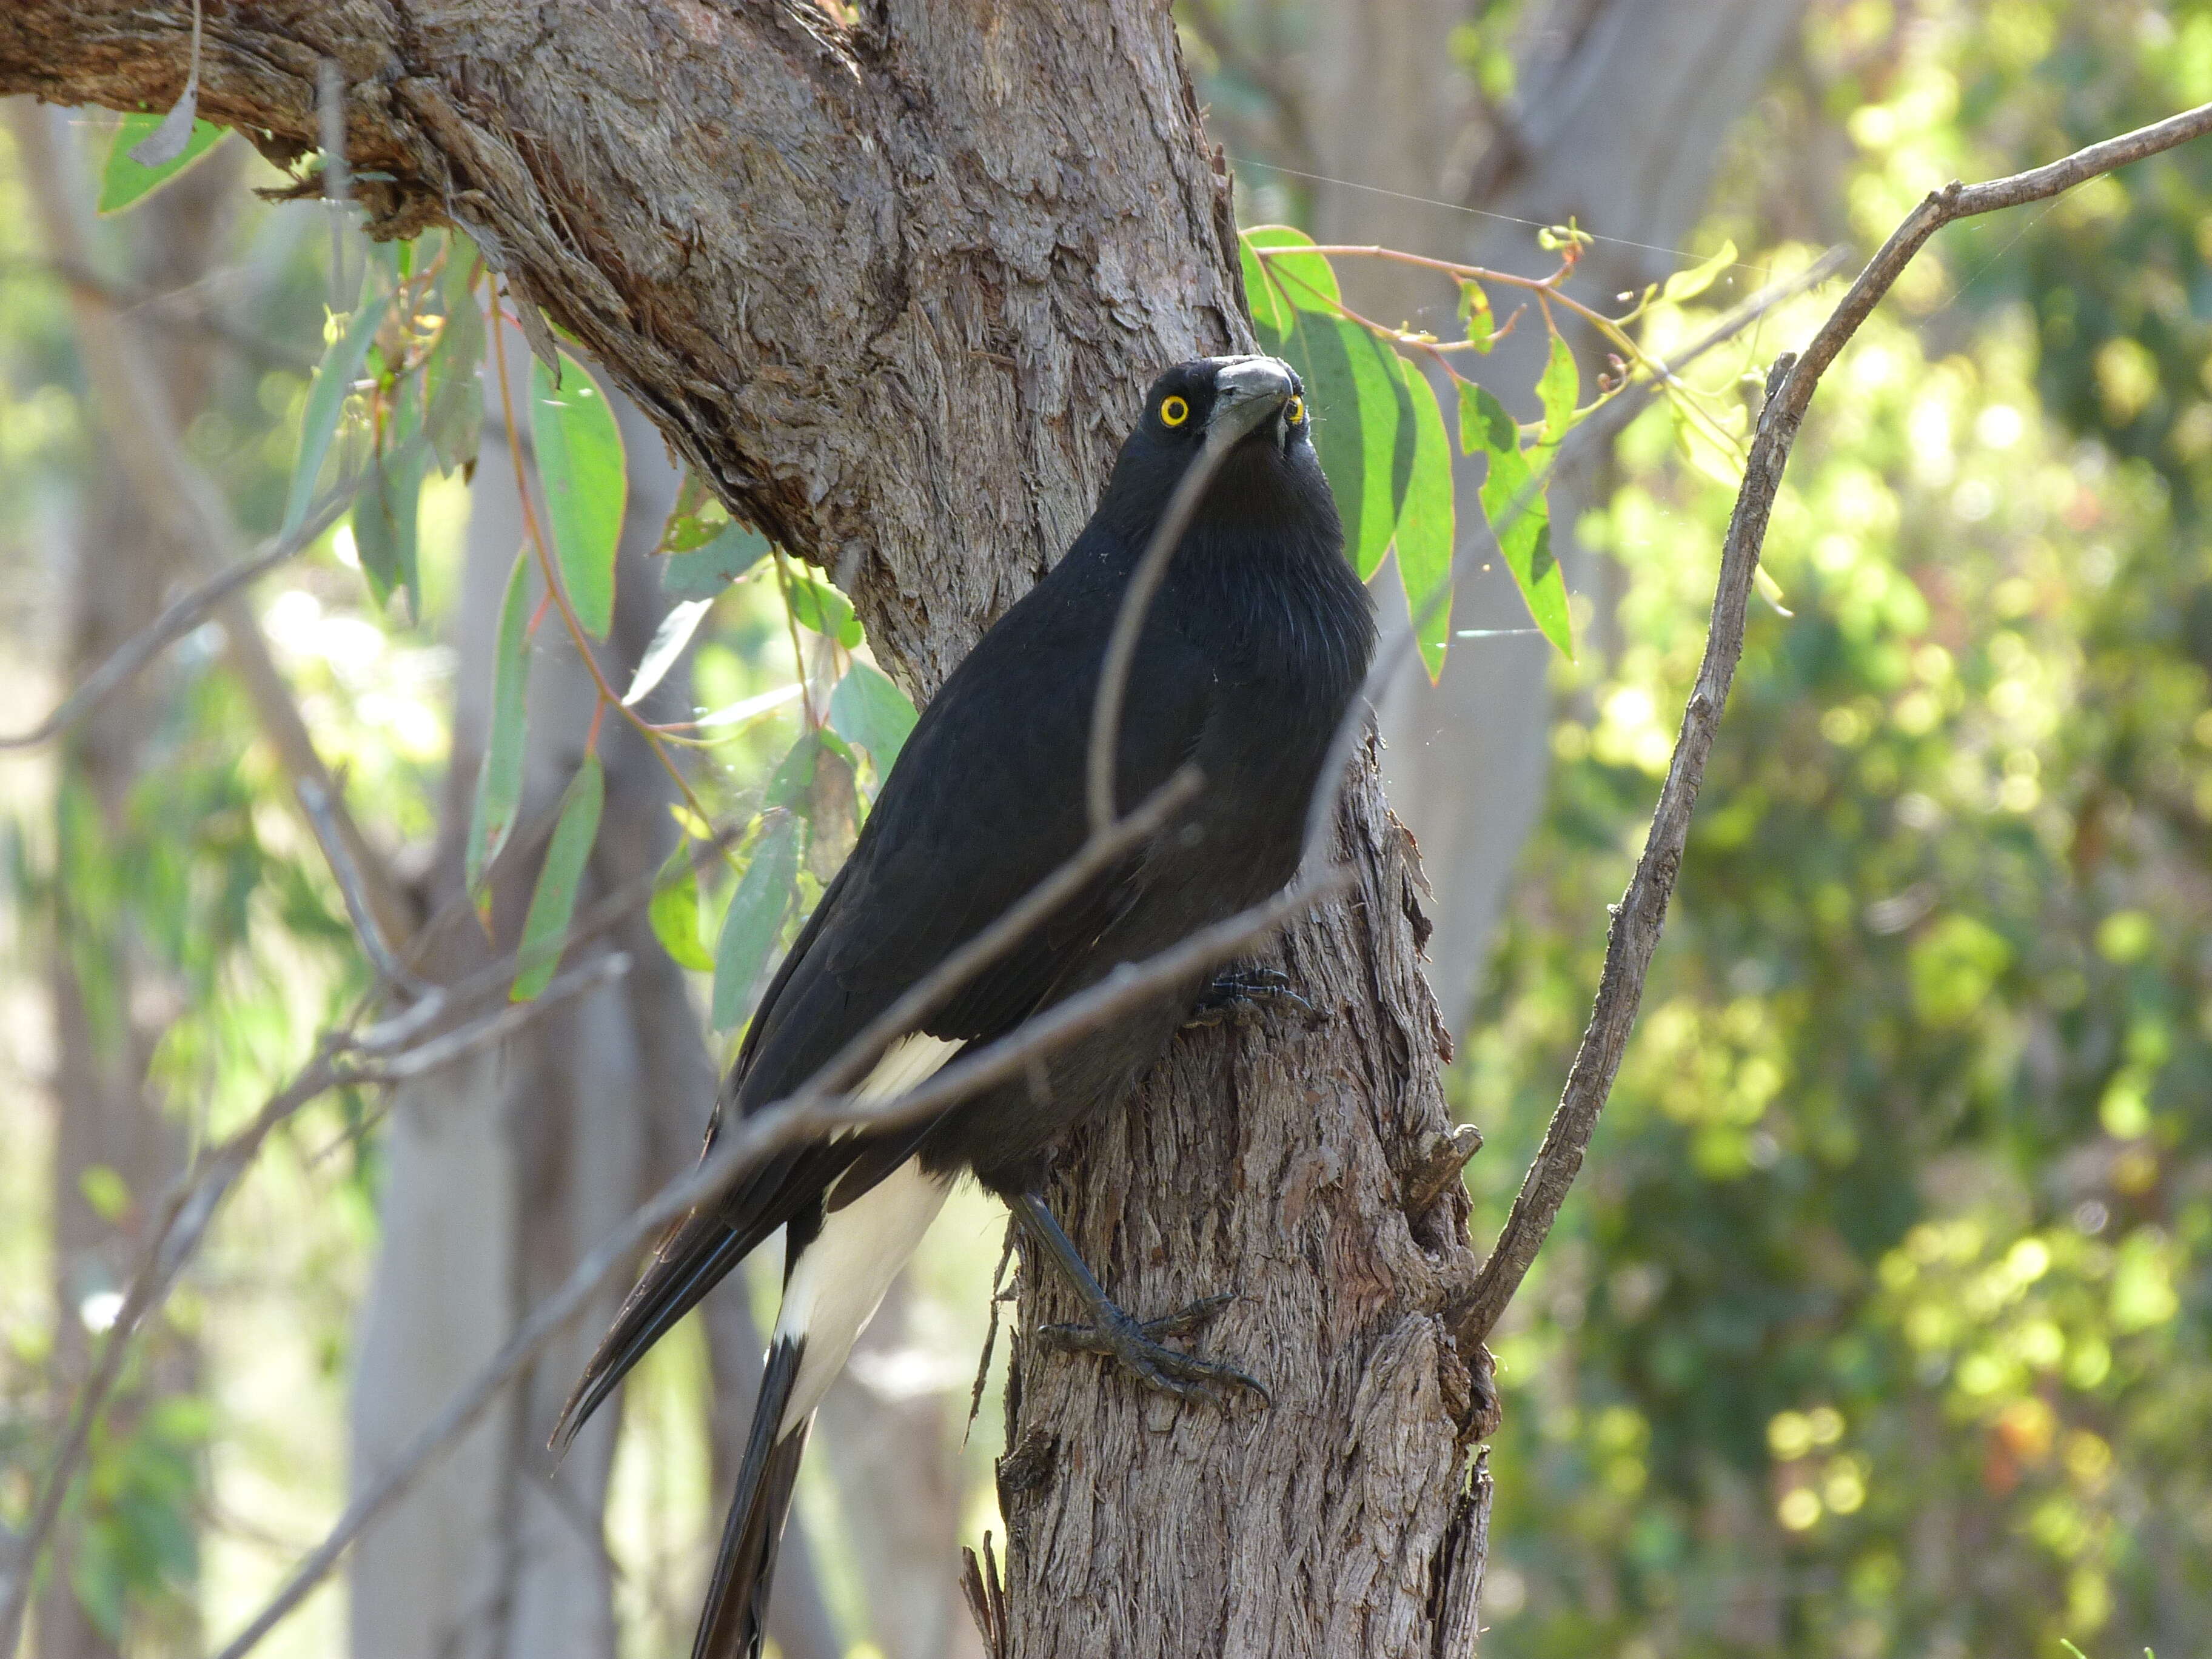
[(1641, 913)]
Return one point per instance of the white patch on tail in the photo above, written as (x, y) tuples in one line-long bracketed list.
[(839, 1280)]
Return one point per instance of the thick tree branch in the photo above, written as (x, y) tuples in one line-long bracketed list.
[(706, 159), (1641, 915)]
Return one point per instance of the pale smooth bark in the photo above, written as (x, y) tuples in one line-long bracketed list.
[(896, 285), (1621, 112), (110, 997)]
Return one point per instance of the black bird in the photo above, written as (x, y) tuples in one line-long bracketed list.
[(1252, 649)]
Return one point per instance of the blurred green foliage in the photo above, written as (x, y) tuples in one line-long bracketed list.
[(1882, 1323)]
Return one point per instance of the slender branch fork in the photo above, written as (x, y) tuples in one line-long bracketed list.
[(819, 1108)]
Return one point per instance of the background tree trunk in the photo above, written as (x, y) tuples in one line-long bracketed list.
[(898, 288), (1621, 112), (504, 1169), (111, 996)]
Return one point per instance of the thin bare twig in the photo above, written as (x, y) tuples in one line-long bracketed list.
[(183, 614), (1129, 623), (190, 1205), (745, 1147), (1641, 913)]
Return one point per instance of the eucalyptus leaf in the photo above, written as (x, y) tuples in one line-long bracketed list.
[(755, 918), (499, 776), (1425, 537), (1304, 281), (668, 642), (580, 463), (553, 902), (453, 394), (386, 514), (821, 607), (674, 912), (868, 709), (334, 379), (1688, 284), (124, 181), (1558, 388), (1362, 425), (701, 571), (1513, 500)]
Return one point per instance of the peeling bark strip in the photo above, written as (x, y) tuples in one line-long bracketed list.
[(897, 289)]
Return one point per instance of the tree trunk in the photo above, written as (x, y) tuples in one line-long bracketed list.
[(110, 994), (896, 286)]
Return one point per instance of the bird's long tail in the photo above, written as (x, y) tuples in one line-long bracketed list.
[(831, 1288)]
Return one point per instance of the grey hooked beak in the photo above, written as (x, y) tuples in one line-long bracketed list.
[(1247, 394)]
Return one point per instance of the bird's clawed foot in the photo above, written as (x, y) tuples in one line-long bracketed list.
[(1137, 1345), (1242, 995)]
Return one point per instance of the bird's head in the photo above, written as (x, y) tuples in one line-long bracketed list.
[(1253, 411)]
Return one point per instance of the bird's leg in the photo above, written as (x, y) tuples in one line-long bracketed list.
[(1134, 1342), (1240, 994)]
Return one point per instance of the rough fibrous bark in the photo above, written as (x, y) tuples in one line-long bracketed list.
[(896, 288)]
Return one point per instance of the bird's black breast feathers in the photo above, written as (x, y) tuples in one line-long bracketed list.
[(1258, 640)]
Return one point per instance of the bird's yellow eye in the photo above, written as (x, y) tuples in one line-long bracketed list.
[(1296, 409), (1174, 411)]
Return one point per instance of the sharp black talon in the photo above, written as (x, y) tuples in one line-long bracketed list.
[(1242, 995)]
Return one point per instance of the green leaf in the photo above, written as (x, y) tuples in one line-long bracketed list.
[(1425, 524), (793, 778), (675, 911), (821, 607), (1474, 312), (1270, 313), (1362, 425), (334, 378), (579, 461), (1304, 281), (867, 708), (701, 572), (123, 182), (498, 778), (452, 397), (1513, 502), (544, 929), (1688, 284), (755, 918), (385, 514), (668, 642), (1558, 388), (1705, 448)]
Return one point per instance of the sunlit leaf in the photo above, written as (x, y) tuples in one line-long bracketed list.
[(1704, 442), (1513, 502), (1362, 425), (334, 381), (755, 917), (821, 607), (1425, 537), (1558, 388), (579, 460), (499, 777), (553, 902), (1270, 313), (1688, 284), (737, 713), (1474, 312), (868, 709), (674, 912), (668, 642), (123, 182), (1304, 281)]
